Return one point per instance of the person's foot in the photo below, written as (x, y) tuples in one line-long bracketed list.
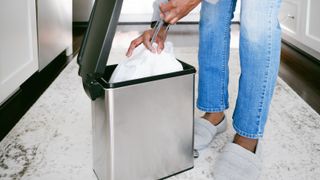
[(207, 127), (239, 160), (214, 118), (247, 143)]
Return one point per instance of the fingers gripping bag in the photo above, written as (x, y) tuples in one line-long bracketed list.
[(144, 63)]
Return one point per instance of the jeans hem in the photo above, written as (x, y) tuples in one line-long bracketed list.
[(245, 134), (221, 109)]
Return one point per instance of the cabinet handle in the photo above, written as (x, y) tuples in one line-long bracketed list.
[(286, 18), (290, 16)]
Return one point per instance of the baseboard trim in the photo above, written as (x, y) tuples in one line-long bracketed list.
[(85, 24), (302, 52), (12, 110)]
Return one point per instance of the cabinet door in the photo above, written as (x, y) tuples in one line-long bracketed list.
[(143, 10), (311, 24), (290, 18), (18, 44)]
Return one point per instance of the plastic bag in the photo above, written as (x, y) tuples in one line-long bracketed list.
[(144, 63)]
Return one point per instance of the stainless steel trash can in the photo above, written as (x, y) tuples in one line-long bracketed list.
[(143, 128)]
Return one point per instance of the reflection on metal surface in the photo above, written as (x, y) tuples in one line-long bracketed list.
[(144, 131), (54, 19)]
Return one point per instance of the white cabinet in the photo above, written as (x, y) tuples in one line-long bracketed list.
[(141, 11), (135, 11), (18, 44), (311, 22), (288, 16), (300, 24)]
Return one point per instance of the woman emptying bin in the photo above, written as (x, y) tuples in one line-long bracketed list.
[(260, 38)]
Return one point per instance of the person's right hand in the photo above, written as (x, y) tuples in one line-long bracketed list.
[(145, 38)]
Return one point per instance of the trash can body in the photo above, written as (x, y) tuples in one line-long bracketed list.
[(143, 128), (144, 131)]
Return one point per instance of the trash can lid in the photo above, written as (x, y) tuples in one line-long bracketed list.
[(97, 42)]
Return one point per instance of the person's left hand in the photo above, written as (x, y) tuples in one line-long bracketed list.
[(174, 10)]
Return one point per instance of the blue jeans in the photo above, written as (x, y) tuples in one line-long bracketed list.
[(260, 42)]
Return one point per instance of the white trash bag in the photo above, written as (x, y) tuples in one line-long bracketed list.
[(144, 63)]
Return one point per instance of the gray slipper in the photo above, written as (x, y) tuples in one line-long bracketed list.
[(205, 131), (237, 163)]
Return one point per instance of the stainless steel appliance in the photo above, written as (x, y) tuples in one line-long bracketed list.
[(54, 21), (142, 129), (81, 10)]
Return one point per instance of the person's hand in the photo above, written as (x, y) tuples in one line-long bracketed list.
[(174, 10), (145, 38)]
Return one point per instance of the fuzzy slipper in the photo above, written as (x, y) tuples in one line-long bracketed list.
[(237, 163), (205, 131)]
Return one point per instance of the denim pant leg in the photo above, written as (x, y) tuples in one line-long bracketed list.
[(214, 46), (260, 41)]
